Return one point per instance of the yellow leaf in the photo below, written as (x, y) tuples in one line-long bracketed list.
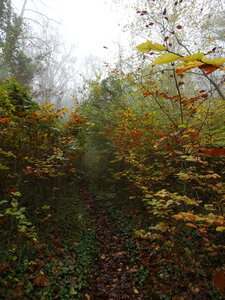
[(73, 291), (136, 291), (220, 228), (45, 207), (214, 62), (192, 57), (191, 130), (158, 47), (143, 47), (165, 59), (188, 66), (148, 46)]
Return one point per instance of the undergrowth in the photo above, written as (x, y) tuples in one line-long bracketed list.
[(57, 265)]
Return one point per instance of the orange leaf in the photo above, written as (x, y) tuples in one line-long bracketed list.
[(161, 133), (219, 280), (191, 225), (5, 120), (178, 217), (31, 121), (188, 66), (164, 95), (191, 100), (215, 152), (146, 94)]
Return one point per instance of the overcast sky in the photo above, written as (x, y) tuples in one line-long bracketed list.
[(88, 24)]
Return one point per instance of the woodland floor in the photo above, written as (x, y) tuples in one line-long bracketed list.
[(88, 251), (111, 277)]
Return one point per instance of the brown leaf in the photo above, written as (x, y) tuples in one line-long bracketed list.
[(5, 267), (215, 152), (4, 220), (120, 253), (208, 68), (103, 256), (215, 253), (219, 280), (41, 281), (161, 133), (134, 269), (59, 250)]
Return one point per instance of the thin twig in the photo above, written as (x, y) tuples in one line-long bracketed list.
[(180, 97)]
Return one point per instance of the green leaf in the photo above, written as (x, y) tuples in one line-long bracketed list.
[(165, 59), (17, 194), (3, 201), (182, 126), (148, 196), (148, 46), (190, 158), (192, 57), (22, 228)]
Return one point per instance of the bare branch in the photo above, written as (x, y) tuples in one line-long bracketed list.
[(43, 15)]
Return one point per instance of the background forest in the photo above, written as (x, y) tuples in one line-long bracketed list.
[(142, 139)]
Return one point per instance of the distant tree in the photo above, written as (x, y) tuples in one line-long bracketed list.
[(54, 62), (56, 75), (13, 59)]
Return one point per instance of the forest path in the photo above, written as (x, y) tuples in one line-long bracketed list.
[(111, 278)]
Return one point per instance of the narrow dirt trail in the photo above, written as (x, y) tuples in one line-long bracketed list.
[(111, 278)]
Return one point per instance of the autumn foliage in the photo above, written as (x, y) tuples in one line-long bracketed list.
[(171, 157), (152, 140), (40, 148)]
